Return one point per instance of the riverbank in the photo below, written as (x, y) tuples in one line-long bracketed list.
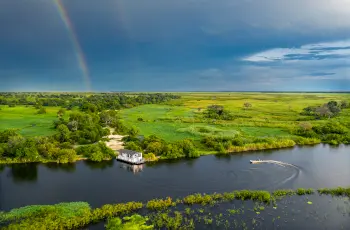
[(236, 150), (186, 209)]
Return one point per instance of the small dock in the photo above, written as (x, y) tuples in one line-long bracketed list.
[(130, 157)]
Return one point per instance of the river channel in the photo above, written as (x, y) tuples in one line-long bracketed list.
[(114, 182)]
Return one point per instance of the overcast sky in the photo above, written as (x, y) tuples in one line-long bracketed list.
[(167, 45)]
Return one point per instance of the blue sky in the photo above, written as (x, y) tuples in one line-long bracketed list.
[(184, 45)]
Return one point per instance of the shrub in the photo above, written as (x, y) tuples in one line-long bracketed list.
[(150, 157)]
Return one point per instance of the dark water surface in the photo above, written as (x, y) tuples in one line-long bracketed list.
[(113, 182)]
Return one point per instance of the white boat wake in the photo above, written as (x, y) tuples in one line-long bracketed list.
[(280, 163), (283, 164)]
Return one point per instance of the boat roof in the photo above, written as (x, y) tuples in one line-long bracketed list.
[(127, 151)]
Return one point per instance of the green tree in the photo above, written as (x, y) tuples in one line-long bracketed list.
[(306, 126), (66, 155), (344, 104), (189, 149), (6, 134), (42, 110), (61, 112), (155, 147), (14, 143), (247, 105), (63, 133), (133, 132), (132, 145)]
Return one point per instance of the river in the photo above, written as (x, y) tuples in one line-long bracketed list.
[(113, 182)]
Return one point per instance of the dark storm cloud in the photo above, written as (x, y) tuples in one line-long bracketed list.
[(203, 44)]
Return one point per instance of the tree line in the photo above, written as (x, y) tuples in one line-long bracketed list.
[(85, 102)]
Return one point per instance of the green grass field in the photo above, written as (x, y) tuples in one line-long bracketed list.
[(27, 121), (272, 114)]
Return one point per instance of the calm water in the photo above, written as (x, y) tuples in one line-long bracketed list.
[(113, 182)]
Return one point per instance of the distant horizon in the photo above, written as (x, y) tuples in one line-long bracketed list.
[(175, 91)]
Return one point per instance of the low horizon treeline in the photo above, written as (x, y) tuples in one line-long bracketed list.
[(85, 102)]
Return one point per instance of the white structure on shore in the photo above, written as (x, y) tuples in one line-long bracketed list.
[(130, 156)]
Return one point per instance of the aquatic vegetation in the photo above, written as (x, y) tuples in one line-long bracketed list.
[(207, 220), (302, 191), (162, 213), (188, 211), (63, 215), (198, 199), (234, 211), (109, 210), (228, 196), (165, 220), (158, 204), (283, 193), (335, 191), (262, 196), (132, 222)]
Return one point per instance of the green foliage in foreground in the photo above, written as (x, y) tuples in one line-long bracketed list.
[(134, 222), (63, 215), (79, 214)]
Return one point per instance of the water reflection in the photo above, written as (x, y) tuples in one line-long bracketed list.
[(132, 168), (99, 165), (24, 172), (2, 167), (70, 167)]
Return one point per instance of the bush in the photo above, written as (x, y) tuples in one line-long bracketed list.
[(96, 152), (66, 155), (42, 110), (132, 145), (150, 157)]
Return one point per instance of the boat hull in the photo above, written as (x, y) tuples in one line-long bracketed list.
[(131, 162)]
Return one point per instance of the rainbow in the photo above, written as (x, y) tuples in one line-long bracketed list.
[(75, 42)]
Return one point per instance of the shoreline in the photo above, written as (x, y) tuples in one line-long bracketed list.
[(159, 158)]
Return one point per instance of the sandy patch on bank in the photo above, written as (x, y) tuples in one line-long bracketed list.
[(115, 141)]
